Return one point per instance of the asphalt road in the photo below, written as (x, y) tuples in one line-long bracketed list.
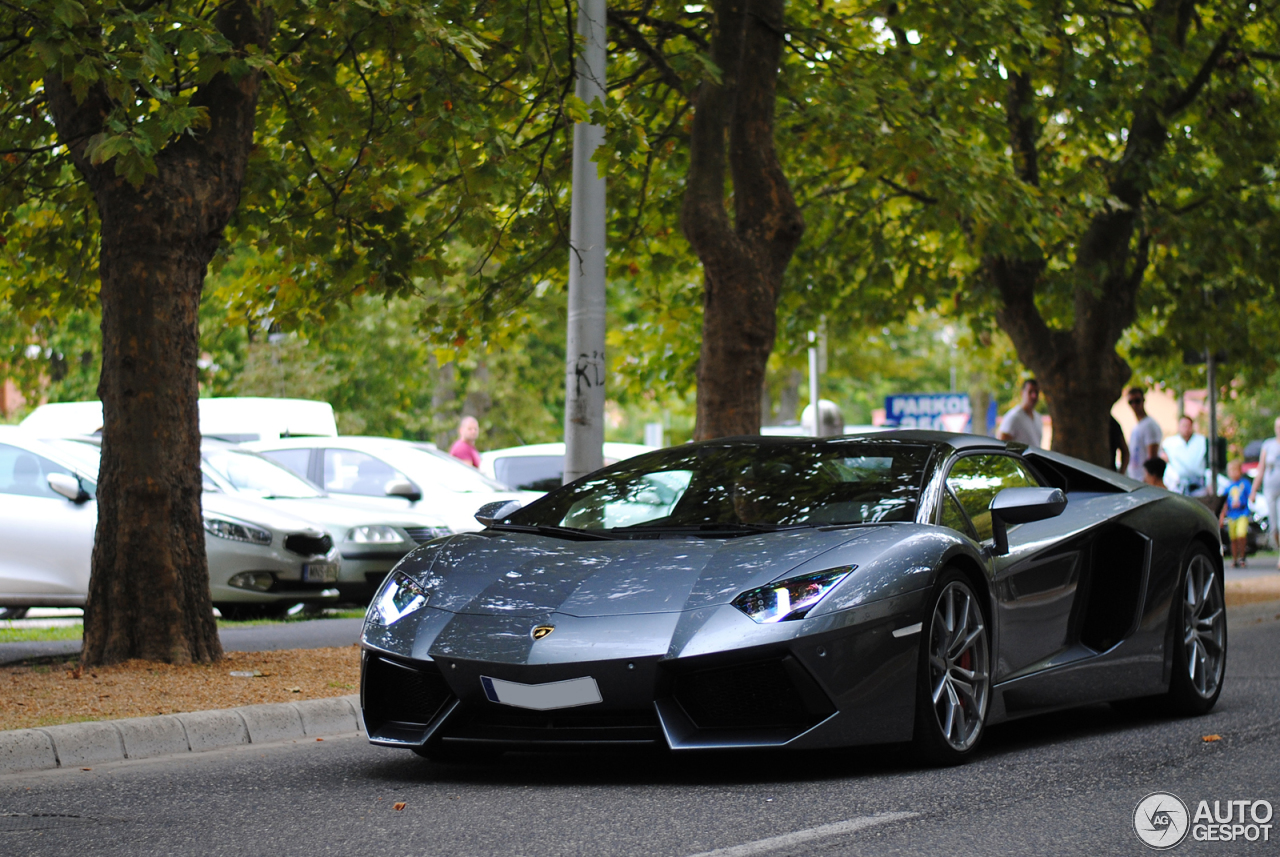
[(1066, 783)]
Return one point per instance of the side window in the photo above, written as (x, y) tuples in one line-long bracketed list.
[(349, 472), (953, 516), (25, 473), (977, 479), (296, 460)]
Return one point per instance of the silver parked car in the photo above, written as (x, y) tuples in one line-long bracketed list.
[(370, 540), (261, 558), (392, 474)]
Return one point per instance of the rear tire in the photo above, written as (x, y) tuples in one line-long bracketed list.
[(13, 612), (1199, 635), (953, 684)]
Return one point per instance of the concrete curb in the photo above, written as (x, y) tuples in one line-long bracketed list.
[(80, 744)]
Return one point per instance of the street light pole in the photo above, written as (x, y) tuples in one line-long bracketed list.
[(813, 384), (584, 352), (1212, 381)]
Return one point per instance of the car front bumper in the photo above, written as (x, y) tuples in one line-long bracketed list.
[(839, 680)]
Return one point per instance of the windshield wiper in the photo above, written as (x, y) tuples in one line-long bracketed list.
[(736, 527), (549, 530)]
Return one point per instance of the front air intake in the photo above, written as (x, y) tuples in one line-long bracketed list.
[(758, 695), (402, 694), (305, 545)]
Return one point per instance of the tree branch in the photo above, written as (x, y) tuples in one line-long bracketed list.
[(655, 57), (1175, 104)]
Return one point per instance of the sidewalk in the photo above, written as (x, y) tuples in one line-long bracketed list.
[(79, 745)]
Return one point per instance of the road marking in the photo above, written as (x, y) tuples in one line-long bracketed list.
[(910, 629), (773, 843)]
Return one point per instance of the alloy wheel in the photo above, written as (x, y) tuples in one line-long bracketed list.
[(959, 666), (1203, 626)]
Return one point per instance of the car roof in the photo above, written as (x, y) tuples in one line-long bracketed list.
[(612, 449), (915, 436)]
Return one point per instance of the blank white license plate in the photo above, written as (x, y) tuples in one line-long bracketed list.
[(542, 697), (319, 572)]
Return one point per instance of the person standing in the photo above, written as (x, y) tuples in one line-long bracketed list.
[(1188, 452), (1022, 423), (464, 448), (1269, 480), (1144, 440), (1235, 512)]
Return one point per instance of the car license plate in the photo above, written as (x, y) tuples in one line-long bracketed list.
[(542, 697), (319, 572)]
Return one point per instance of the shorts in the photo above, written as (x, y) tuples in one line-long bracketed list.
[(1238, 527)]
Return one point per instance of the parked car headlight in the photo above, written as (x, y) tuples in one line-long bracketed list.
[(791, 598), (237, 531), (398, 597), (374, 535)]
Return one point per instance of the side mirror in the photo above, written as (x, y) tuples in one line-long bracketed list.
[(68, 486), (1022, 506), (490, 513), (403, 488)]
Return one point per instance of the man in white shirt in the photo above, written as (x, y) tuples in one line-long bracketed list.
[(1144, 440), (1022, 423), (1188, 452), (1267, 478)]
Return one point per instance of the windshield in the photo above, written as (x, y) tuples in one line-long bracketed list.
[(250, 473), (82, 454), (429, 467), (742, 486)]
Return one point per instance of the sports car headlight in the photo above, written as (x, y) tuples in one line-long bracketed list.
[(791, 598), (398, 597), (237, 531), (374, 535)]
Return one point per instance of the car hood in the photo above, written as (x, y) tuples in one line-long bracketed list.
[(264, 513), (515, 574)]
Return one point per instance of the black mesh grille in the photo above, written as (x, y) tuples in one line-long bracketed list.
[(304, 545), (402, 694), (550, 728), (750, 696)]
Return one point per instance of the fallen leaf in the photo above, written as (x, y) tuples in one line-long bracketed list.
[(86, 769), (242, 674), (319, 739), (1208, 738), (397, 806), (295, 690)]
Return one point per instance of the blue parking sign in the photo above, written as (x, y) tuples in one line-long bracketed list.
[(940, 411)]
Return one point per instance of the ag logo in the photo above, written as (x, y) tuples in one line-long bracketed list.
[(541, 631), (1161, 820)]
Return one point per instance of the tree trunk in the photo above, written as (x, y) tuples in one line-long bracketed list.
[(744, 260), (149, 587)]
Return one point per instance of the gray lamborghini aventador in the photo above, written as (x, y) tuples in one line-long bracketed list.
[(799, 593)]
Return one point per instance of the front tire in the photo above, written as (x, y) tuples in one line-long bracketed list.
[(953, 686), (1200, 636), (13, 612)]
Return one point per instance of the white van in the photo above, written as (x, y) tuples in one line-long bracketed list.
[(234, 419)]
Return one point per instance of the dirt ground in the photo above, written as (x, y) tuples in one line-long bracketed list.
[(49, 694)]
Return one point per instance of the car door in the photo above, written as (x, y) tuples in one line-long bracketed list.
[(47, 539), (1035, 584)]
